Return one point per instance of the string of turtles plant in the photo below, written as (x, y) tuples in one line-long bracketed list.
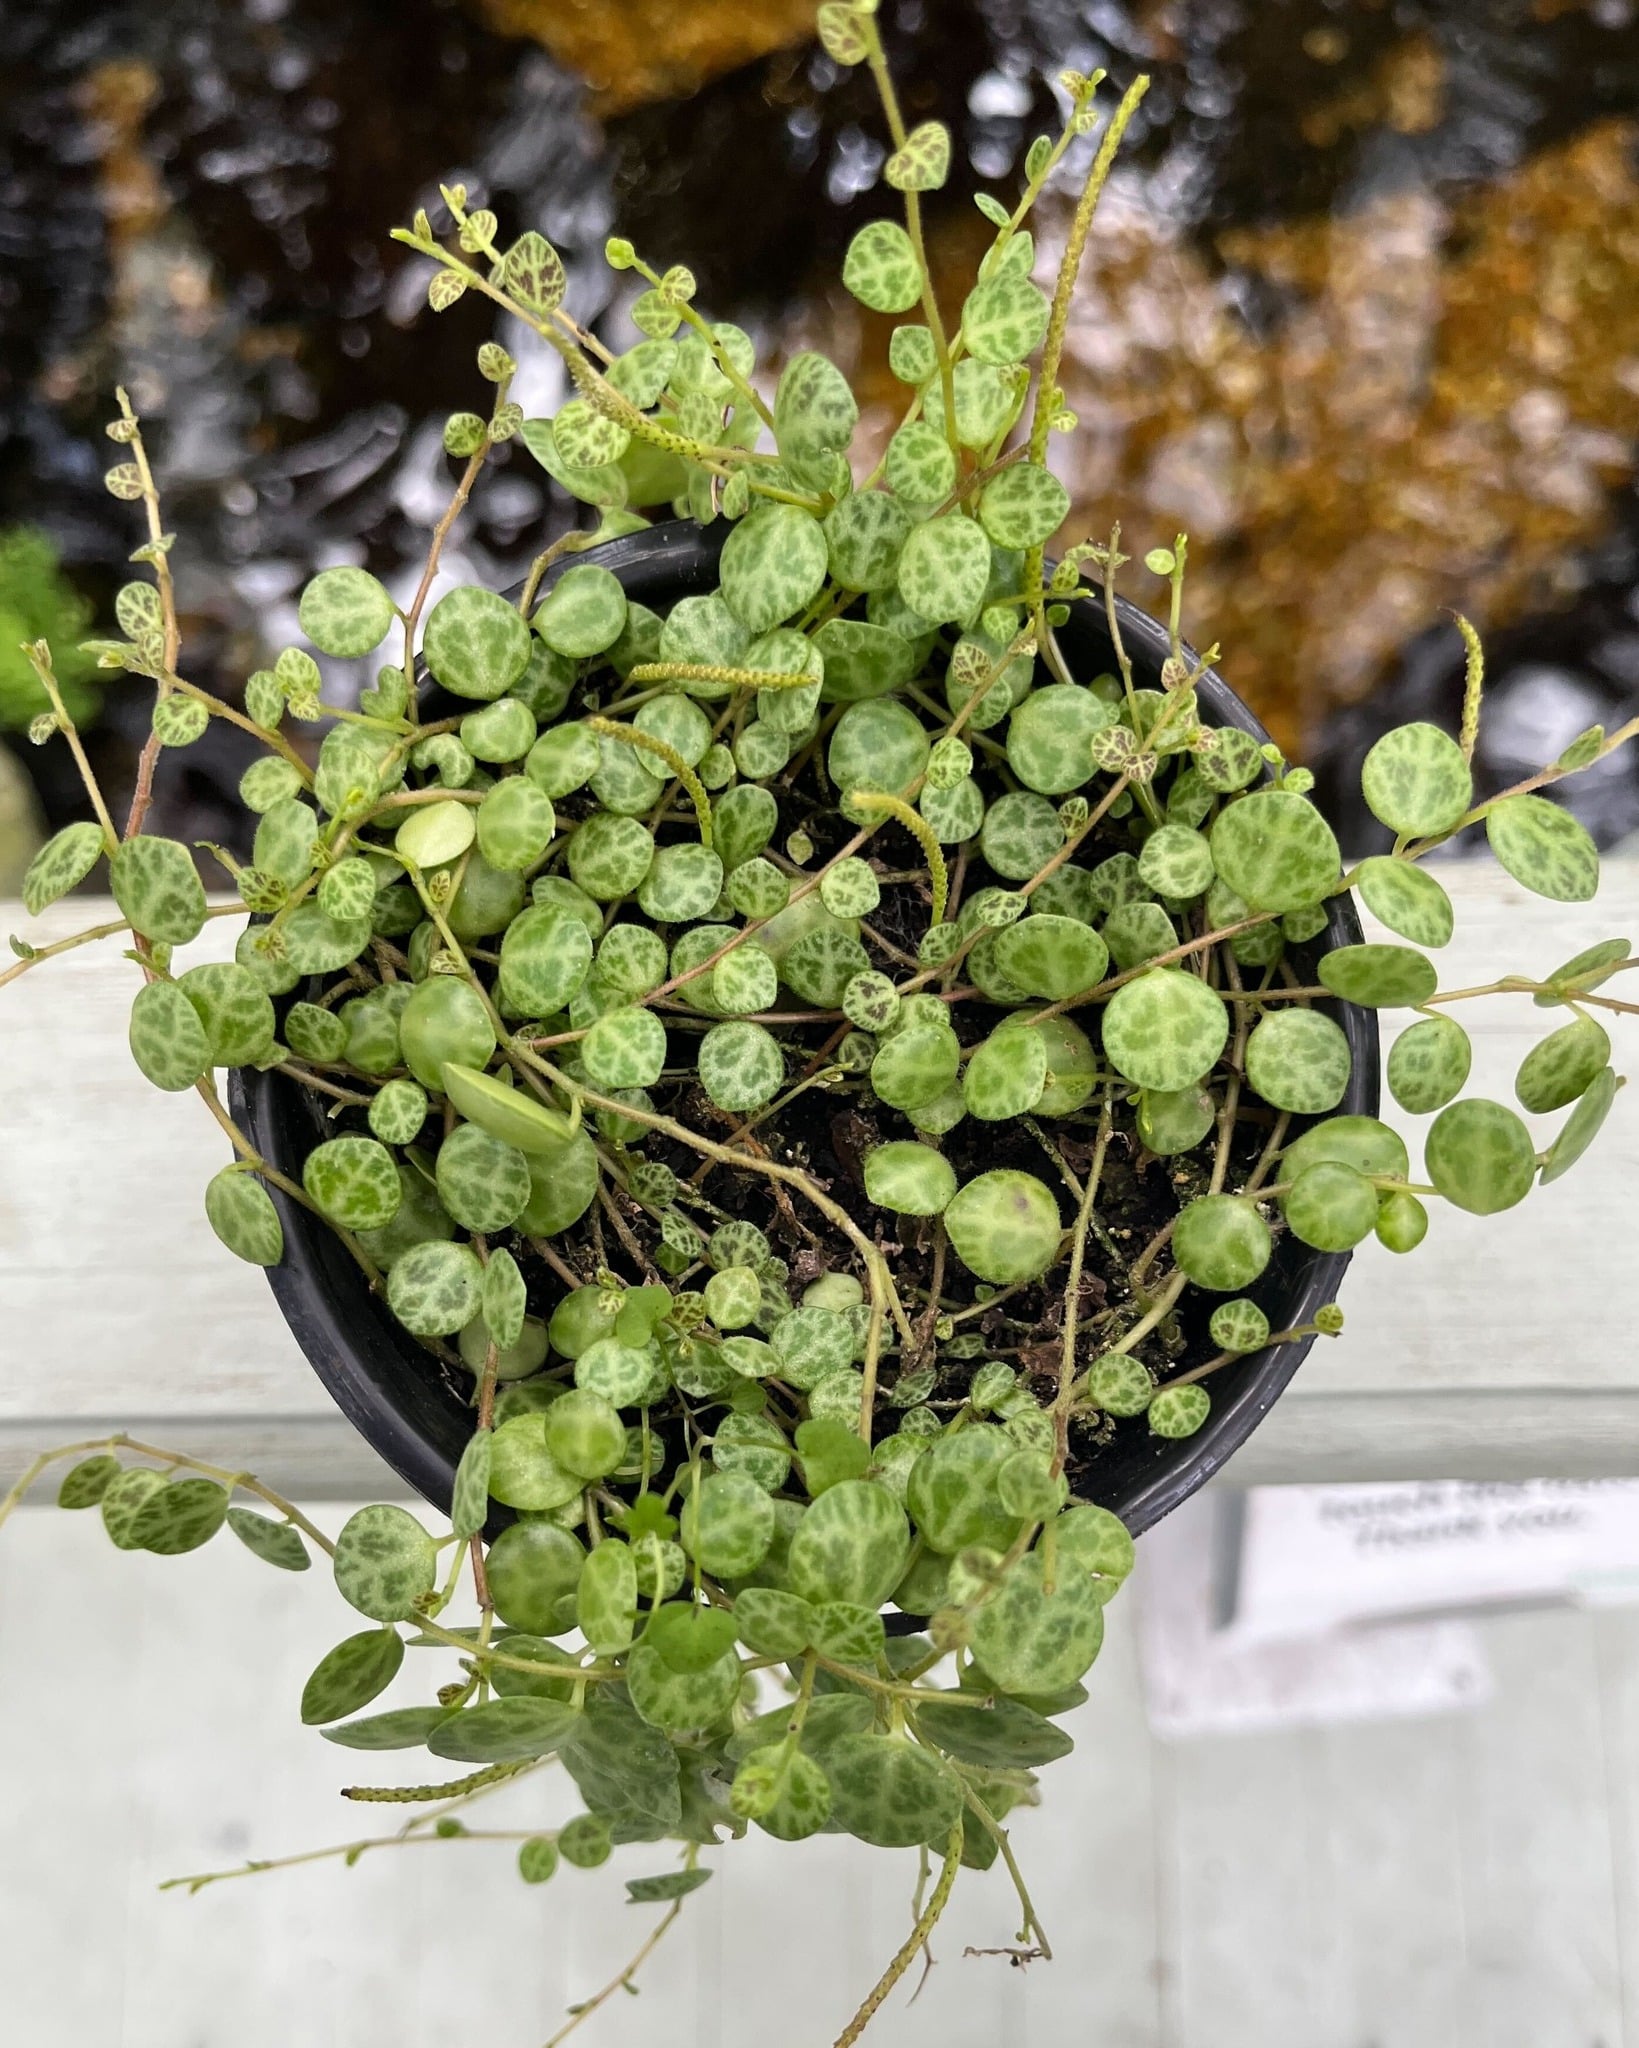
[(812, 1068)]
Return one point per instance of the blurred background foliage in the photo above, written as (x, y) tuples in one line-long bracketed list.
[(1362, 311)]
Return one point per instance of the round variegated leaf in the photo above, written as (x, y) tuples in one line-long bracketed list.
[(1582, 1126), (922, 164), (1544, 848), (1032, 1639), (1165, 1029), (1428, 1064), (1005, 320), (1379, 977), (61, 864), (351, 1675), (1004, 1226), (1049, 734), (741, 1065), (728, 1524), (1298, 1060), (920, 464), (158, 889), (625, 1048), (1331, 1207), (1416, 780), (815, 414), (865, 534), (1560, 1068), (606, 1599), (1221, 1243), (1275, 850), (881, 269), (346, 612), (167, 1040), (433, 1288), (1480, 1156), (1407, 899), (475, 643), (910, 1179), (241, 1212), (385, 1562), (944, 568), (851, 1544), (1024, 506), (1005, 1075)]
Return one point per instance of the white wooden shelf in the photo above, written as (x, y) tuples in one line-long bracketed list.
[(1505, 1347)]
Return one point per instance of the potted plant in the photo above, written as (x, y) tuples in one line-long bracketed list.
[(788, 1069)]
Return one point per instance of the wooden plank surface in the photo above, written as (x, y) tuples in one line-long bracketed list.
[(1503, 1347)]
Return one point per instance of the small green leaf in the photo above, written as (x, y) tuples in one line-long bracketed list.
[(1275, 850), (1417, 781), (504, 1731), (385, 1562), (1331, 1207), (727, 1525), (583, 613), (1005, 1075), (741, 1066), (1582, 1126), (606, 1598), (61, 864), (1032, 1639), (689, 1637), (1406, 899), (1560, 1068), (1004, 1226), (1480, 1156), (399, 1728), (275, 1543), (923, 163), (346, 612), (672, 1884), (1005, 320), (881, 269), (475, 643), (85, 1483), (1379, 977), (1428, 1064), (944, 568), (1298, 1060), (1544, 848), (1165, 1029), (167, 1040), (1221, 1242), (158, 889), (910, 1179), (351, 1675)]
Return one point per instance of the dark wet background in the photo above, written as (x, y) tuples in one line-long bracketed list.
[(1362, 314)]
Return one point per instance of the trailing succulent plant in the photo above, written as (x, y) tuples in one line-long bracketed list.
[(812, 1065)]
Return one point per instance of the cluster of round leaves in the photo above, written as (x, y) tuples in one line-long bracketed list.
[(629, 1636), (596, 860)]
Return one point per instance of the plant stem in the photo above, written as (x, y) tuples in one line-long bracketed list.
[(1063, 290), (1072, 1289), (623, 1981), (876, 58), (916, 1939), (97, 931)]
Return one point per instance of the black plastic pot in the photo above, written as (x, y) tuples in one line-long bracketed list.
[(392, 1390)]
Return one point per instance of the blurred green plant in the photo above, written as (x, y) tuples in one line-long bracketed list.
[(37, 602)]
